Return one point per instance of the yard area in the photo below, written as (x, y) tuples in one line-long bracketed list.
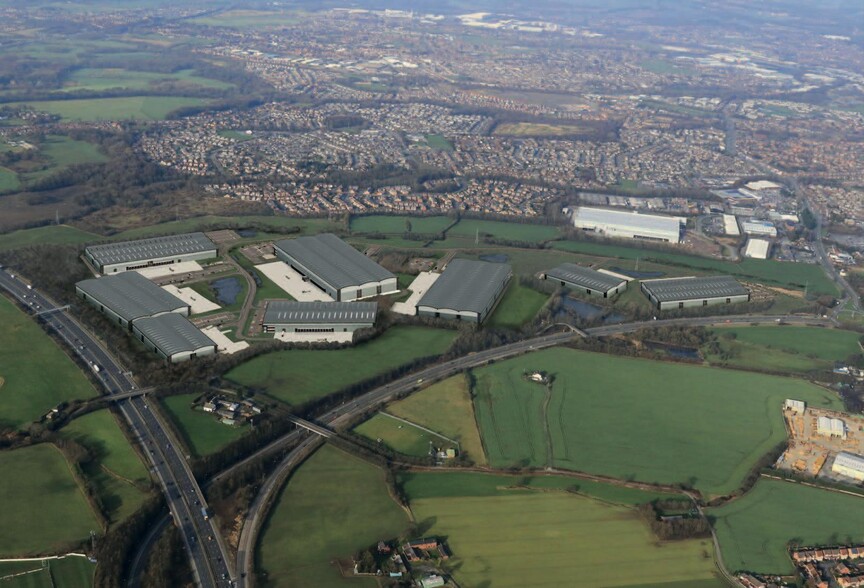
[(634, 418)]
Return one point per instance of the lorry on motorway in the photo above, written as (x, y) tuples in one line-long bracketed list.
[(205, 512), (96, 368)]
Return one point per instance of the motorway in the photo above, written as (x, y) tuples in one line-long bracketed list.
[(184, 497)]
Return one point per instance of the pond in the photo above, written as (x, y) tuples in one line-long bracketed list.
[(246, 233), (495, 257), (635, 274), (588, 311), (227, 290), (676, 351)]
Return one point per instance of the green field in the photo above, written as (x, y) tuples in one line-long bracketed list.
[(202, 432), (445, 407), (131, 107), (400, 436), (501, 537), (61, 152), (200, 223), (524, 129), (44, 509), (786, 348), (398, 225), (518, 306), (65, 572), (300, 375), (240, 18), (782, 273), (439, 142), (29, 390), (633, 418), (333, 506), (8, 180), (504, 230), (117, 472), (53, 235), (98, 79), (754, 530)]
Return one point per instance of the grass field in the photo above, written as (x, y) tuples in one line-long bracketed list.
[(787, 348), (397, 224), (548, 537), (199, 223), (445, 407), (61, 152), (634, 418), (131, 107), (117, 472), (518, 306), (54, 235), (99, 79), (333, 506), (300, 375), (240, 18), (503, 230), (754, 530), (783, 273), (201, 432), (59, 517), (439, 142), (523, 129), (30, 390), (8, 180), (400, 436), (66, 572)]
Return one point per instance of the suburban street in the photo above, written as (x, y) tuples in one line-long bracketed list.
[(184, 497)]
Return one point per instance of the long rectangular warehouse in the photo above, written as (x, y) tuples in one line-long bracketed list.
[(334, 266), (173, 337), (319, 317), (688, 292), (112, 258), (129, 296), (625, 224), (467, 290), (587, 280)]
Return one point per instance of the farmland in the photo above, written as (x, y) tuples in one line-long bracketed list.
[(518, 306), (754, 530), (300, 375), (54, 235), (567, 535), (662, 434), (537, 130), (29, 390), (333, 506), (398, 224), (116, 471), (503, 230), (63, 572), (98, 79), (202, 432), (132, 107), (400, 436), (31, 526)]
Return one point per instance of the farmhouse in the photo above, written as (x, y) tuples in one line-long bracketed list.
[(112, 258), (850, 465), (129, 296), (334, 266), (690, 292), (587, 280), (629, 225), (173, 338), (467, 290), (319, 317)]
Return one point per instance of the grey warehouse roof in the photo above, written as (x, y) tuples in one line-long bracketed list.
[(850, 460), (466, 285), (173, 334), (694, 288), (130, 295), (333, 260), (282, 312), (155, 248), (585, 277)]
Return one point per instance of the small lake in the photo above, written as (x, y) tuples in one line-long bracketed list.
[(588, 311), (227, 290), (246, 233), (676, 351), (635, 274), (495, 257)]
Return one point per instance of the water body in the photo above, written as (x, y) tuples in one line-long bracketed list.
[(246, 233), (635, 274), (675, 350), (495, 257), (588, 311), (227, 290)]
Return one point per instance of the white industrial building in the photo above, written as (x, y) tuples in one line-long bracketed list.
[(689, 292), (797, 406), (831, 427), (757, 248), (113, 258), (127, 297), (629, 225), (467, 290), (173, 338), (335, 267), (319, 317), (759, 227), (849, 465), (730, 225), (586, 280)]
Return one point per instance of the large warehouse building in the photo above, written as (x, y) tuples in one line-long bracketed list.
[(630, 225), (587, 280), (669, 293), (129, 296), (850, 465), (337, 268), (173, 338), (319, 317), (467, 290), (112, 258), (155, 317)]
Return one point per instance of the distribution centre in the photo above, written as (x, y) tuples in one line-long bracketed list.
[(630, 225), (587, 280), (112, 258), (467, 290), (688, 292), (319, 317)]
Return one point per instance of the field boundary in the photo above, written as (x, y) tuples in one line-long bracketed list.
[(421, 427)]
